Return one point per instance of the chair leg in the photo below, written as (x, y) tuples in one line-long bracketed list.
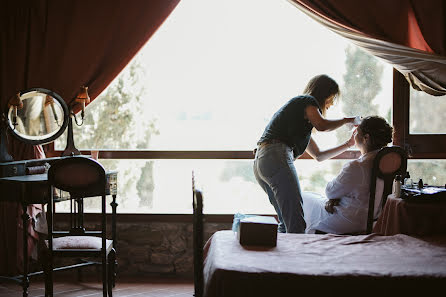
[(111, 266), (104, 276), (109, 282), (47, 273)]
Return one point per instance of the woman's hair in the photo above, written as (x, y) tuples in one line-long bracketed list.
[(379, 130), (322, 87)]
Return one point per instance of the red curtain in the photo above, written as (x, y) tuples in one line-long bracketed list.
[(416, 24), (410, 35), (62, 45)]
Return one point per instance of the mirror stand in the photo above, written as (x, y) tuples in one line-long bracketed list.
[(70, 149), (4, 155)]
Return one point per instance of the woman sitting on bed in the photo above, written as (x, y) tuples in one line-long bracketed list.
[(345, 208)]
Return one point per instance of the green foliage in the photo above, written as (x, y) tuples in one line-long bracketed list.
[(113, 121), (114, 114), (362, 82)]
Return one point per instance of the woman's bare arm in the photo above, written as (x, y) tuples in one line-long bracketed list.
[(322, 124), (314, 151)]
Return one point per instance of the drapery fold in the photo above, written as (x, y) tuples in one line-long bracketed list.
[(62, 45), (410, 35)]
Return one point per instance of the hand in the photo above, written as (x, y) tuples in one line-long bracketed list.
[(349, 120), (330, 204), (351, 142), (353, 122)]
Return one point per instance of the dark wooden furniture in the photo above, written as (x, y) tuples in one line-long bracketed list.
[(388, 162), (81, 177), (16, 184), (19, 188), (198, 222)]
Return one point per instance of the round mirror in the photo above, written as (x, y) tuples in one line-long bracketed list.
[(43, 117)]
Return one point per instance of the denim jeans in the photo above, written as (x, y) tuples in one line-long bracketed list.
[(275, 172)]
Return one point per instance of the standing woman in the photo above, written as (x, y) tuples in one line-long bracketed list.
[(285, 138)]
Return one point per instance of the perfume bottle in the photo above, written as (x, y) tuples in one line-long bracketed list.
[(420, 184), (397, 186)]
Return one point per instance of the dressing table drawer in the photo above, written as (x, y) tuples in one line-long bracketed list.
[(10, 169)]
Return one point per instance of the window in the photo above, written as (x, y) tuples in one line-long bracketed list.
[(422, 107), (418, 121), (199, 94), (422, 133), (432, 172)]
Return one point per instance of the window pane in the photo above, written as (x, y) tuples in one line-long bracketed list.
[(229, 186), (426, 114), (433, 172), (215, 72)]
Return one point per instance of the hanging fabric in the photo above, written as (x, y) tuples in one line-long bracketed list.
[(405, 47)]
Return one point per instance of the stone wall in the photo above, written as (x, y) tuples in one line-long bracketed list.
[(154, 248), (161, 248)]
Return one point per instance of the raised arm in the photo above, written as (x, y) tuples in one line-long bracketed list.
[(314, 151), (322, 124)]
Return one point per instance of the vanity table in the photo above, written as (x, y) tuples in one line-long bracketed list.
[(42, 118), (33, 189), (403, 216)]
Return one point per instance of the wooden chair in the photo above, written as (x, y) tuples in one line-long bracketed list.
[(198, 224), (389, 162), (81, 177)]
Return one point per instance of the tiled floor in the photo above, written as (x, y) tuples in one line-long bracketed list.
[(148, 287)]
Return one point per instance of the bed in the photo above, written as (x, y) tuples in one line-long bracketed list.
[(326, 265)]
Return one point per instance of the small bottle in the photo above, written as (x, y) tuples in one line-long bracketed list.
[(397, 186), (420, 184), (407, 182)]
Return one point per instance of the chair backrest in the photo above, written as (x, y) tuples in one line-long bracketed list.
[(198, 224), (78, 175), (389, 162), (81, 177)]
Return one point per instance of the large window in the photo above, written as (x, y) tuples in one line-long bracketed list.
[(208, 82)]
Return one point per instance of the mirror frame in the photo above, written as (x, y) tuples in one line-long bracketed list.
[(52, 137)]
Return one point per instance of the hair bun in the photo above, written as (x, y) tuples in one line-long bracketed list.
[(379, 130)]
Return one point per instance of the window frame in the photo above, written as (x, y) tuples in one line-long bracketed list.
[(419, 146)]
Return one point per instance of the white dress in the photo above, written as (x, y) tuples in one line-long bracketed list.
[(352, 187)]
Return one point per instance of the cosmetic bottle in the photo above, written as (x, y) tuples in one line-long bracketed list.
[(397, 186)]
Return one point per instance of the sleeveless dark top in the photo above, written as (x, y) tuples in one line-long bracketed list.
[(289, 125)]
